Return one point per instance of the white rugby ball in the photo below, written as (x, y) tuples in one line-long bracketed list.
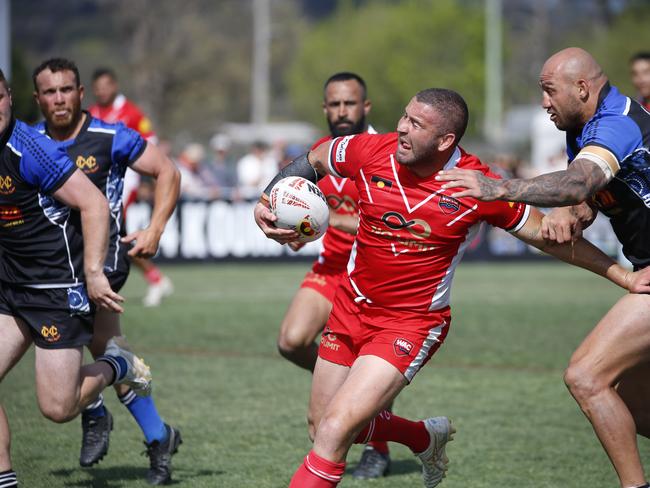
[(300, 205)]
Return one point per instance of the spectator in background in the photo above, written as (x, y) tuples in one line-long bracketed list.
[(506, 165), (255, 170), (193, 184), (640, 73), (220, 170), (112, 107), (291, 152), (555, 162)]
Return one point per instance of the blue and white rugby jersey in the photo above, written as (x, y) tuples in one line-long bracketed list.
[(620, 131), (38, 246), (103, 152)]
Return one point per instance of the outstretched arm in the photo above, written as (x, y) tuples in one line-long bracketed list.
[(584, 254), (154, 163), (574, 185)]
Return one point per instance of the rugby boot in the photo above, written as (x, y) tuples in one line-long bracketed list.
[(373, 464), (95, 437), (434, 459), (160, 457), (158, 291), (138, 375)]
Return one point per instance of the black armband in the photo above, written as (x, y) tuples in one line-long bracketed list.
[(298, 167)]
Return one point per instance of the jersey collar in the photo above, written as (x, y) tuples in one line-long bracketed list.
[(119, 101), (604, 91)]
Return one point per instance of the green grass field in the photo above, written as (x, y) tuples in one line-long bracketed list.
[(241, 407)]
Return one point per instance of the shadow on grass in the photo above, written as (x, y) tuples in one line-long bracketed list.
[(397, 467), (114, 476)]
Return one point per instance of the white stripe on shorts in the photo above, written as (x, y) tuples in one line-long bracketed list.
[(423, 353)]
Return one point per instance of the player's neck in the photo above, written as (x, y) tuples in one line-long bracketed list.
[(69, 132), (429, 167)]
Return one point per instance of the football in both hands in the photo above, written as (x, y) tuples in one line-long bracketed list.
[(300, 205)]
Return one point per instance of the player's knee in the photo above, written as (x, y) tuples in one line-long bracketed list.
[(333, 428), (581, 382), (290, 343), (57, 411)]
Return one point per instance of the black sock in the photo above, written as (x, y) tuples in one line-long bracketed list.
[(8, 479)]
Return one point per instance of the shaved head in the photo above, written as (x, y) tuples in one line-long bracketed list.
[(574, 64), (571, 81)]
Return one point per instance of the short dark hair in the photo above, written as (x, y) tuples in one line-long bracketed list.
[(55, 65), (449, 104), (347, 76), (104, 71), (640, 56), (4, 81)]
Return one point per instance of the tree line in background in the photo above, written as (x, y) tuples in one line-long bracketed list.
[(188, 64)]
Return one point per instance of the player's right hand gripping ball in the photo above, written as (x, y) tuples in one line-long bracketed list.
[(300, 205)]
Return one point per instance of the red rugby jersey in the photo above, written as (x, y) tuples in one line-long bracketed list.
[(342, 196), (412, 234), (127, 112)]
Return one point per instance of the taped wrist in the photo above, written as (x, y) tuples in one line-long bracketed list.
[(298, 167)]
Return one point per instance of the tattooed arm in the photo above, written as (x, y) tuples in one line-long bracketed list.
[(569, 187), (584, 254)]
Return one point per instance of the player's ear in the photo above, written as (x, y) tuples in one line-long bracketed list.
[(446, 141), (583, 89), (82, 90), (367, 105)]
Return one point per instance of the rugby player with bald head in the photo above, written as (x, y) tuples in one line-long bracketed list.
[(608, 139)]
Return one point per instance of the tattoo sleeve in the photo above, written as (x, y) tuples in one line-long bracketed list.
[(558, 189)]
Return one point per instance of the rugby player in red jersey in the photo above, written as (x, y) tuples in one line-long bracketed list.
[(346, 106), (112, 107), (393, 313)]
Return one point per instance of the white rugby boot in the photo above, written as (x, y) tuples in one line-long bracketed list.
[(434, 460), (155, 293), (138, 374)]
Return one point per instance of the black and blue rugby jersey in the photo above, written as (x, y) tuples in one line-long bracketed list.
[(38, 246), (622, 126), (103, 152)]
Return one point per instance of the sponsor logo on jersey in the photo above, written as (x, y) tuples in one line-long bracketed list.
[(448, 205), (341, 149), (345, 204), (402, 347), (6, 185), (51, 333), (418, 228), (382, 183), (11, 216), (87, 165)]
